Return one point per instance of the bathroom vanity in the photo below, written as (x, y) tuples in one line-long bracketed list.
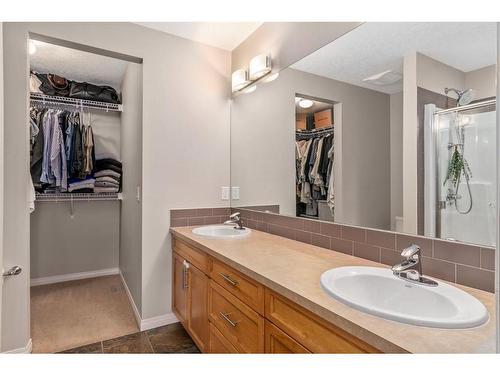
[(262, 294)]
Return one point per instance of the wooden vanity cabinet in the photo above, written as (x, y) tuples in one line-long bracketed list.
[(190, 294), (226, 311), (278, 342)]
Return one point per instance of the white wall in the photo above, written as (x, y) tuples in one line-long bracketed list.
[(131, 209), (1, 176), (396, 114), (483, 81), (435, 76), (61, 244), (263, 146), (185, 99), (410, 132)]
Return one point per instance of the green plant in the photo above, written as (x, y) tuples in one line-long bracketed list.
[(456, 166)]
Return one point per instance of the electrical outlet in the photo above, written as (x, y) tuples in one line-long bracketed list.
[(235, 192), (225, 193)]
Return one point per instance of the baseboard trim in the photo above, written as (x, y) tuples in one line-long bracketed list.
[(158, 321), (150, 323), (26, 350), (137, 315), (74, 276)]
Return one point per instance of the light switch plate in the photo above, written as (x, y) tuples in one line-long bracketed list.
[(225, 193), (235, 192)]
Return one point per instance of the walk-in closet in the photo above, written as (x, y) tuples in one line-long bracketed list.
[(85, 136), (314, 151)]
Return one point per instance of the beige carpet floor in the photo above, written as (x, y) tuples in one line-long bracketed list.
[(75, 313)]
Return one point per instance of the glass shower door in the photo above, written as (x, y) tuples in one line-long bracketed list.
[(466, 175)]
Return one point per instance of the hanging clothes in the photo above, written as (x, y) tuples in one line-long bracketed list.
[(62, 150), (314, 164)]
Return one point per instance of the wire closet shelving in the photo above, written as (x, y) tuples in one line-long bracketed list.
[(77, 197), (62, 101)]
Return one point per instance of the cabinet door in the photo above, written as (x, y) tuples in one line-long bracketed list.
[(278, 342), (218, 344), (180, 288), (198, 307)]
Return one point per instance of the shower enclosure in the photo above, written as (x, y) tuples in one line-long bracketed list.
[(460, 172)]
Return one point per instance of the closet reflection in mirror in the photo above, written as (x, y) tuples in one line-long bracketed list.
[(392, 126)]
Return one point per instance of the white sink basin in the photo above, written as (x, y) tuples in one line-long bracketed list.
[(377, 291), (221, 231)]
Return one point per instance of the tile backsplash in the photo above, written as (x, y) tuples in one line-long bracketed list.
[(451, 261)]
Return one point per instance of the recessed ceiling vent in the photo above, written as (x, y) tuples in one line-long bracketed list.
[(385, 78)]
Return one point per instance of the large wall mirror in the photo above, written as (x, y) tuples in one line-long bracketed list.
[(391, 126)]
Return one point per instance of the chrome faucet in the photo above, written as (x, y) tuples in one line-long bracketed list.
[(410, 268), (235, 219)]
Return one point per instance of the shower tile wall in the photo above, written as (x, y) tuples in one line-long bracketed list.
[(464, 264)]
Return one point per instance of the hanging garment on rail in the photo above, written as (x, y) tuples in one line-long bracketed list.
[(62, 149)]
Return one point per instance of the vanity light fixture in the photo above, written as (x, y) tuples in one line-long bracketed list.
[(239, 80), (259, 66), (249, 89), (305, 103), (271, 77)]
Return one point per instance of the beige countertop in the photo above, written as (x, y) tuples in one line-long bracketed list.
[(294, 268)]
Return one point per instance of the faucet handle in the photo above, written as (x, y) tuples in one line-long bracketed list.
[(411, 251), (236, 215)]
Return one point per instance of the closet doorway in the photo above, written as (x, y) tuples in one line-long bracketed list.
[(318, 134), (85, 136)]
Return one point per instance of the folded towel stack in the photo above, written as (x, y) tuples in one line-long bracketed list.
[(108, 176), (75, 185)]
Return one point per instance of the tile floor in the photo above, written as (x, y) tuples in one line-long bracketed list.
[(167, 339)]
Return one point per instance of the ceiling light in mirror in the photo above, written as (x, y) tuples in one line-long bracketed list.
[(32, 47), (305, 103), (239, 80), (259, 66)]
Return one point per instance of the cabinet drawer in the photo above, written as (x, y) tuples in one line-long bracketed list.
[(246, 289), (312, 332), (278, 342), (219, 344), (237, 322), (198, 258)]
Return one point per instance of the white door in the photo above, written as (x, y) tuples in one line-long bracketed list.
[(1, 178)]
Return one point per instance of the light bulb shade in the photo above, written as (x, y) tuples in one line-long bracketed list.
[(32, 47), (239, 80), (259, 66), (305, 103)]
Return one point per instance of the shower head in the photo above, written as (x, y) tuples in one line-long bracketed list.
[(464, 97)]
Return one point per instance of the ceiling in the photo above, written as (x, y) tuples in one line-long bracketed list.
[(77, 65), (224, 35), (375, 47)]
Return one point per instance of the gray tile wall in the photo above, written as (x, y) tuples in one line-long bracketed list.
[(451, 261)]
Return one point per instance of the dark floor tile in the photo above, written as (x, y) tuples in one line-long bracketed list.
[(94, 348), (171, 339), (134, 343)]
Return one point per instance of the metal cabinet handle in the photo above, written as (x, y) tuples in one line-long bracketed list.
[(228, 279), (185, 270), (227, 319), (16, 270)]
